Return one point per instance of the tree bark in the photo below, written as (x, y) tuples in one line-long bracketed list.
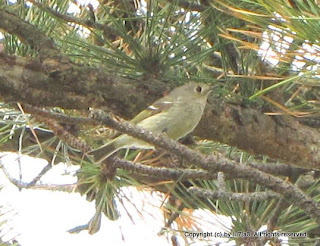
[(279, 137), (64, 84)]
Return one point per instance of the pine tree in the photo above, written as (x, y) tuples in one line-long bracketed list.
[(254, 155)]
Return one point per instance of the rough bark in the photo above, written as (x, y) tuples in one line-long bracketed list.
[(279, 137), (71, 86)]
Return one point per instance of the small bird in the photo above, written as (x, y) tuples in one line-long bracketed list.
[(176, 115)]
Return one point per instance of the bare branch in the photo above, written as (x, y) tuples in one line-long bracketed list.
[(221, 182), (29, 34), (188, 5), (212, 163), (70, 86), (25, 185), (40, 175), (161, 173), (62, 118), (218, 162), (80, 87), (279, 169), (272, 222), (82, 22), (250, 129), (66, 136), (230, 196)]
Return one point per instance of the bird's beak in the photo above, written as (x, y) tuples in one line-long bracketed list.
[(211, 88)]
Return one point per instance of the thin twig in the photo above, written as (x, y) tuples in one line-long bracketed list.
[(230, 196), (25, 185), (66, 136), (58, 130), (211, 163), (279, 169), (62, 118), (221, 182), (175, 215), (68, 18), (189, 5), (40, 175), (272, 222), (217, 162), (160, 172)]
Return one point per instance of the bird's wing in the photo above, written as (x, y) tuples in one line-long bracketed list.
[(157, 107)]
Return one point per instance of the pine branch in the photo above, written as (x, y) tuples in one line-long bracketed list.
[(188, 5), (280, 169), (68, 85), (159, 172), (215, 163), (272, 222), (40, 175), (252, 130), (230, 196), (29, 34), (221, 182), (68, 18), (32, 185), (61, 118)]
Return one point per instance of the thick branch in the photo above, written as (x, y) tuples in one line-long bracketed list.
[(68, 85), (167, 174), (214, 163), (29, 34), (280, 169), (279, 137), (71, 86)]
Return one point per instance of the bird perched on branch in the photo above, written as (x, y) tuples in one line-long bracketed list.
[(176, 115)]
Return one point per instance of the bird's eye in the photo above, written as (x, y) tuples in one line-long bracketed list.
[(199, 89)]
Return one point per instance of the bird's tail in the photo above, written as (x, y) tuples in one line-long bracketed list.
[(103, 152)]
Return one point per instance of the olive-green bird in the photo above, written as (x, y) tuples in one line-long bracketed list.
[(176, 114)]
